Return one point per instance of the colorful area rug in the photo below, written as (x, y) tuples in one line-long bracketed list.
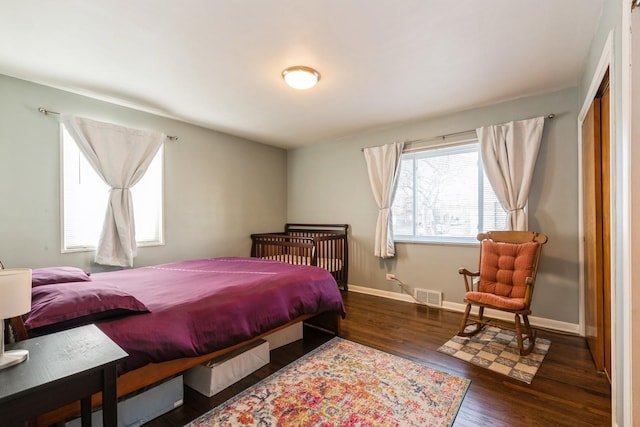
[(497, 349), (342, 383)]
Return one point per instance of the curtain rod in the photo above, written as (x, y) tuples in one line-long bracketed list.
[(45, 112), (449, 135)]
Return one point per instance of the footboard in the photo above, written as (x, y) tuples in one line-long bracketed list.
[(321, 245)]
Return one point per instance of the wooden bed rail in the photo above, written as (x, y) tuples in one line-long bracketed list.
[(323, 228), (283, 248), (153, 373)]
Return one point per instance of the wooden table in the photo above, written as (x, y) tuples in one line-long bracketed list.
[(62, 368)]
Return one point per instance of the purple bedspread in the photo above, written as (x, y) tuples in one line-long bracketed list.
[(200, 306)]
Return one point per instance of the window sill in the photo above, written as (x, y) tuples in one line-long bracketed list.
[(92, 248), (438, 242)]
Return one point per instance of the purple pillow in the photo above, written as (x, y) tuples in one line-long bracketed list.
[(87, 302), (51, 275)]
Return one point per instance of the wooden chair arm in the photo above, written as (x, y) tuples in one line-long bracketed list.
[(468, 273), (468, 284)]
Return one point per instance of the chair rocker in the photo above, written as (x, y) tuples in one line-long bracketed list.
[(508, 267)]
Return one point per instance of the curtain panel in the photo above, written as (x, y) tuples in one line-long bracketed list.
[(509, 152), (120, 156), (383, 166)]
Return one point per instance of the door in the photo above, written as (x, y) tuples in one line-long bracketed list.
[(606, 227), (592, 211), (596, 226)]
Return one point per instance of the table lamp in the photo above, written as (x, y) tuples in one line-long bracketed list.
[(15, 300)]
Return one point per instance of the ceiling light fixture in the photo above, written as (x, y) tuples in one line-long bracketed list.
[(300, 77)]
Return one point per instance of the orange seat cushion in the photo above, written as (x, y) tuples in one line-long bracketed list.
[(495, 300), (503, 270)]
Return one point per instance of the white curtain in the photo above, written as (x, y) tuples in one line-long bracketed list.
[(383, 165), (120, 156), (509, 152)]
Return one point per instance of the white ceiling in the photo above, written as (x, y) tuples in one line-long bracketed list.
[(218, 63)]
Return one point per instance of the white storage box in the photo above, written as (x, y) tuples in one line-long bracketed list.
[(285, 336), (218, 374), (144, 406)]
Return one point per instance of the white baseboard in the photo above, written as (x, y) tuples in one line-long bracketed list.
[(380, 293), (540, 322)]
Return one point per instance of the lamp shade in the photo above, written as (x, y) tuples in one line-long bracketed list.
[(15, 292)]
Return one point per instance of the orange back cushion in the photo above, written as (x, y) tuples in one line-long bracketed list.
[(505, 266)]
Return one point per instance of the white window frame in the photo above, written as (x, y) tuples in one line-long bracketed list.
[(88, 248), (461, 145)]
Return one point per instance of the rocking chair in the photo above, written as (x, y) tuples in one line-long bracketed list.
[(508, 267)]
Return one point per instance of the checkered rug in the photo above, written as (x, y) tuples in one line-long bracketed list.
[(497, 349)]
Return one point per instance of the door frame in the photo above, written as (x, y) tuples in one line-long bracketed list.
[(628, 343)]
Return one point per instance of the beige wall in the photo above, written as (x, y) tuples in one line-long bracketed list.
[(328, 183), (218, 189)]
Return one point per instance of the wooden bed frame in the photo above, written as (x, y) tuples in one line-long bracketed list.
[(152, 373), (320, 245)]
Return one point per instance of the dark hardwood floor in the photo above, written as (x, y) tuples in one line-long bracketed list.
[(566, 391)]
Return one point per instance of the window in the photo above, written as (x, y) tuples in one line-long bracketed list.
[(443, 195), (85, 195)]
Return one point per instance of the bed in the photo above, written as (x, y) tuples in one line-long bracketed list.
[(174, 316), (321, 245)]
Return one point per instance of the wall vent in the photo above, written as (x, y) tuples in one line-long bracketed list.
[(429, 297)]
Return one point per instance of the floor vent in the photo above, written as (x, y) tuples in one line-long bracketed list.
[(429, 297)]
